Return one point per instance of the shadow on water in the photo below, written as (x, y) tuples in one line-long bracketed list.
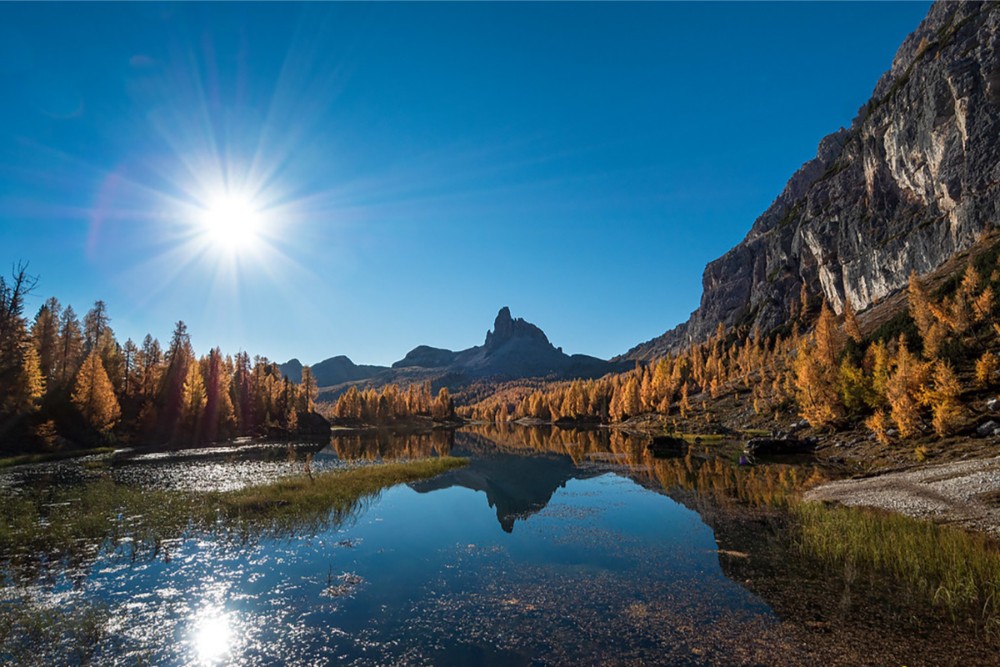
[(552, 546)]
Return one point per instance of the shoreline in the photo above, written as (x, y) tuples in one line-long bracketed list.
[(964, 493)]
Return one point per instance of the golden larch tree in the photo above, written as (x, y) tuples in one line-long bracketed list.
[(94, 395)]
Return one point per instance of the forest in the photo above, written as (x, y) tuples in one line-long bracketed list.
[(63, 379), (64, 382), (907, 377)]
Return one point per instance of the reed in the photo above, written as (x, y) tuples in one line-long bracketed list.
[(952, 568)]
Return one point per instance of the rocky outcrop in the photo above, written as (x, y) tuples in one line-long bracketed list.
[(506, 328), (914, 180), (513, 349)]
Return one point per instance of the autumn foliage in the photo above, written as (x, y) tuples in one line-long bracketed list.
[(63, 377), (827, 370)]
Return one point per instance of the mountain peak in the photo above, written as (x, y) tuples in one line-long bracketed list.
[(506, 328)]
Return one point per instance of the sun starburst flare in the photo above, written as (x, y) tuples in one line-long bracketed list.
[(232, 223)]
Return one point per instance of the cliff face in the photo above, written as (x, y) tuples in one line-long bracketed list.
[(915, 179)]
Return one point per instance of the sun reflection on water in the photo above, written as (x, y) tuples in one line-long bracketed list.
[(212, 636)]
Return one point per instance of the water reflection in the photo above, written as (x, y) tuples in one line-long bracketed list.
[(551, 547), (212, 636), (517, 486)]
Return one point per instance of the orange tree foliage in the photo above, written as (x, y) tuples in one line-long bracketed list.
[(828, 375)]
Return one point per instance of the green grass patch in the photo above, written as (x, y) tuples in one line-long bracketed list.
[(79, 521), (22, 459), (954, 569), (298, 498)]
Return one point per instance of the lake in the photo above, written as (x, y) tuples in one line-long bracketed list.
[(550, 547)]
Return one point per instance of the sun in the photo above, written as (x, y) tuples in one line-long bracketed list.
[(232, 223)]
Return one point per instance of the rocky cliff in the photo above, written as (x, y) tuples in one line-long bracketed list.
[(914, 180)]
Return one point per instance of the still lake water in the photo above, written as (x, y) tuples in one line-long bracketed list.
[(550, 547)]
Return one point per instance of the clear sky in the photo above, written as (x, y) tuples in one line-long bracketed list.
[(406, 170)]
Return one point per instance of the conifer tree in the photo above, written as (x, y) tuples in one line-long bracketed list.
[(851, 326), (817, 373), (987, 367), (94, 395), (45, 336), (307, 390), (70, 347), (903, 390), (194, 398), (946, 410), (30, 383), (443, 407)]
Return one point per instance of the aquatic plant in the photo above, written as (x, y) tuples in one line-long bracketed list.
[(954, 569)]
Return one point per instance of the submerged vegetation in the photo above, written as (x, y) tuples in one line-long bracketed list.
[(80, 521), (951, 568)]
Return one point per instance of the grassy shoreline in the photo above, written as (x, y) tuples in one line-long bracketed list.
[(24, 459), (80, 521)]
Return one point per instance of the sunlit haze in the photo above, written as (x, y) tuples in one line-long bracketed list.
[(308, 180)]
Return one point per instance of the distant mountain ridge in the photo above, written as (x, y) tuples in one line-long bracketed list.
[(514, 349), (913, 181), (334, 370)]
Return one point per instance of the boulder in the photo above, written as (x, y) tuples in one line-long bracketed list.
[(987, 429), (668, 446)]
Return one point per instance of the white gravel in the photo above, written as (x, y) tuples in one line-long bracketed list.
[(948, 493)]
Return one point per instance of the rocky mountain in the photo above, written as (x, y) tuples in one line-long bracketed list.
[(425, 356), (332, 371), (514, 349), (914, 180)]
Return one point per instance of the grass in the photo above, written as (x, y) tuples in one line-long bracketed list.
[(22, 459), (299, 498), (953, 569), (70, 634), (78, 522)]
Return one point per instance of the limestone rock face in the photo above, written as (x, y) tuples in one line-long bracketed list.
[(914, 180)]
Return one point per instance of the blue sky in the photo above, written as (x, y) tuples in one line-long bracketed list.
[(410, 168)]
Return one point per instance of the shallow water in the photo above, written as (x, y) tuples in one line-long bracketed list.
[(548, 548)]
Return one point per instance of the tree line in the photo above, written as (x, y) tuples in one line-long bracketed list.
[(904, 379), (66, 378), (391, 403)]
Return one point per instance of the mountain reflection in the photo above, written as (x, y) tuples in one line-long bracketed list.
[(520, 468), (516, 485)]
